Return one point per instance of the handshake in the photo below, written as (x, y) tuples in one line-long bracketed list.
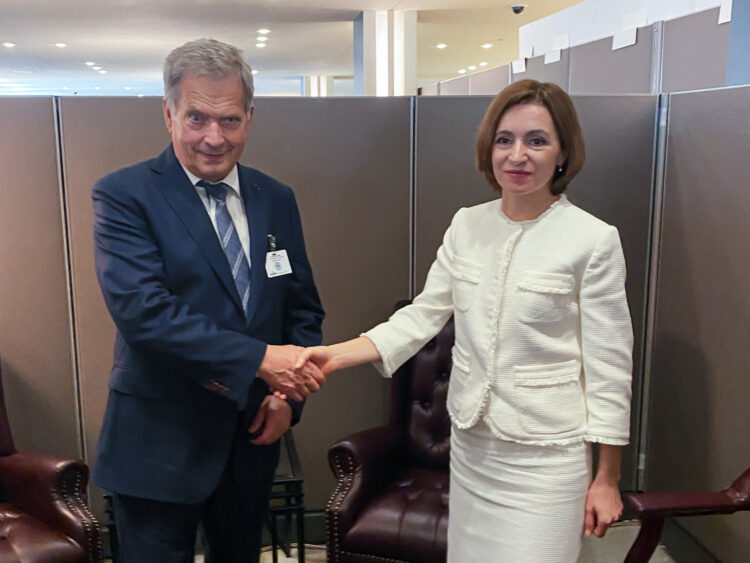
[(296, 372)]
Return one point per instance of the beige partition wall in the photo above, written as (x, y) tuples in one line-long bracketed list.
[(615, 185), (349, 164), (699, 416), (35, 335), (99, 135), (348, 161)]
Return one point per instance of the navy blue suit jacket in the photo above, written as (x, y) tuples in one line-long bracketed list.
[(186, 356)]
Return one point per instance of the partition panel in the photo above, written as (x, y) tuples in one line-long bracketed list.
[(99, 135), (695, 52), (597, 69), (700, 391), (557, 72), (348, 161), (489, 82), (35, 335), (615, 185)]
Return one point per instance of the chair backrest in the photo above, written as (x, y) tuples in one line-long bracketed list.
[(6, 438), (418, 401)]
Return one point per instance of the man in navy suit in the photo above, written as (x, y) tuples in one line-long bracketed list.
[(203, 268)]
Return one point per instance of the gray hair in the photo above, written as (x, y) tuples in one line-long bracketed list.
[(205, 57)]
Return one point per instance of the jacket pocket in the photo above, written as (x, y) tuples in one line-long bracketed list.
[(550, 397), (466, 275), (131, 382), (544, 296)]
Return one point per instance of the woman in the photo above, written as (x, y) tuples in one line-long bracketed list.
[(542, 358)]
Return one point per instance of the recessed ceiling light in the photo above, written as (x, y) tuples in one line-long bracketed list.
[(128, 88), (96, 67), (472, 67), (261, 38), (140, 95), (462, 71), (486, 45), (90, 63), (483, 63), (102, 72), (65, 88), (264, 31), (97, 87), (61, 45), (260, 45), (8, 44), (255, 71), (441, 45)]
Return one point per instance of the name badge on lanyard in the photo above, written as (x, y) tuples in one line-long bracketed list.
[(277, 261)]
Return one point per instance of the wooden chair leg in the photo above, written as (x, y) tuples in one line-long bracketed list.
[(646, 542)]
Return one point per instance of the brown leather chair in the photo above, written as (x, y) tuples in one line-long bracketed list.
[(391, 500), (43, 512), (653, 508)]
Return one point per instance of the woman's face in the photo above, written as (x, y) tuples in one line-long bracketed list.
[(526, 150)]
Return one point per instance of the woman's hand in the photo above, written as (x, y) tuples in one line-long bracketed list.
[(603, 501), (321, 356), (603, 507)]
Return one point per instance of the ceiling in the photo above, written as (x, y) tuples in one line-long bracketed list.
[(129, 39)]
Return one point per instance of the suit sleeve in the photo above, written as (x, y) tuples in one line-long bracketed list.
[(607, 343), (303, 312), (151, 318)]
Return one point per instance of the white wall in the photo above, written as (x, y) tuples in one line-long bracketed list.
[(596, 19)]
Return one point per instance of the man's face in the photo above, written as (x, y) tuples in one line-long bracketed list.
[(209, 125)]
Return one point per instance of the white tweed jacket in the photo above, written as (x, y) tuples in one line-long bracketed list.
[(543, 349)]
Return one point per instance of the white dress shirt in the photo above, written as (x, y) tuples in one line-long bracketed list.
[(234, 204)]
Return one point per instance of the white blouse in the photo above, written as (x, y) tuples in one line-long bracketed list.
[(543, 349)]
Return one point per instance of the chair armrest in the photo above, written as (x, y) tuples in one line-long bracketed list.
[(363, 463), (53, 490), (660, 505)]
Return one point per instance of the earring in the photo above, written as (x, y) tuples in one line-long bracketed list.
[(559, 169)]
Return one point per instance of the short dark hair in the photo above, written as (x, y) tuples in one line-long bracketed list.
[(560, 107)]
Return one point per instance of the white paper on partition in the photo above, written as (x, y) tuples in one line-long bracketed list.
[(526, 53), (561, 41), (624, 38), (552, 56), (519, 66), (725, 11)]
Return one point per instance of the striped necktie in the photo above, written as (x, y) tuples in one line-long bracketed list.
[(230, 240)]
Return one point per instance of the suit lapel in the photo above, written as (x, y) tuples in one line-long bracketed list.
[(256, 208), (175, 186)]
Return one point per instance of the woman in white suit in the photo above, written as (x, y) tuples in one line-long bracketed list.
[(542, 358)]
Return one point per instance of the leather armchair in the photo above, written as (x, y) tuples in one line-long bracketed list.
[(391, 499), (653, 508), (43, 512)]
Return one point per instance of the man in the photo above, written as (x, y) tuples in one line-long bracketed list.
[(203, 268)]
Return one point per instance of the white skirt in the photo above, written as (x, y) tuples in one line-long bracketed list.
[(515, 502)]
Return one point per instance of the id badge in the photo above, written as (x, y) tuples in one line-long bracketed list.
[(277, 264)]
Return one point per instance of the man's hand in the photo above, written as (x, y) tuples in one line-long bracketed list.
[(277, 369), (273, 419)]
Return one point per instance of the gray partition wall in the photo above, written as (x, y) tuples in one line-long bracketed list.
[(348, 161), (557, 72), (700, 390), (35, 334), (596, 69), (615, 185), (695, 52)]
